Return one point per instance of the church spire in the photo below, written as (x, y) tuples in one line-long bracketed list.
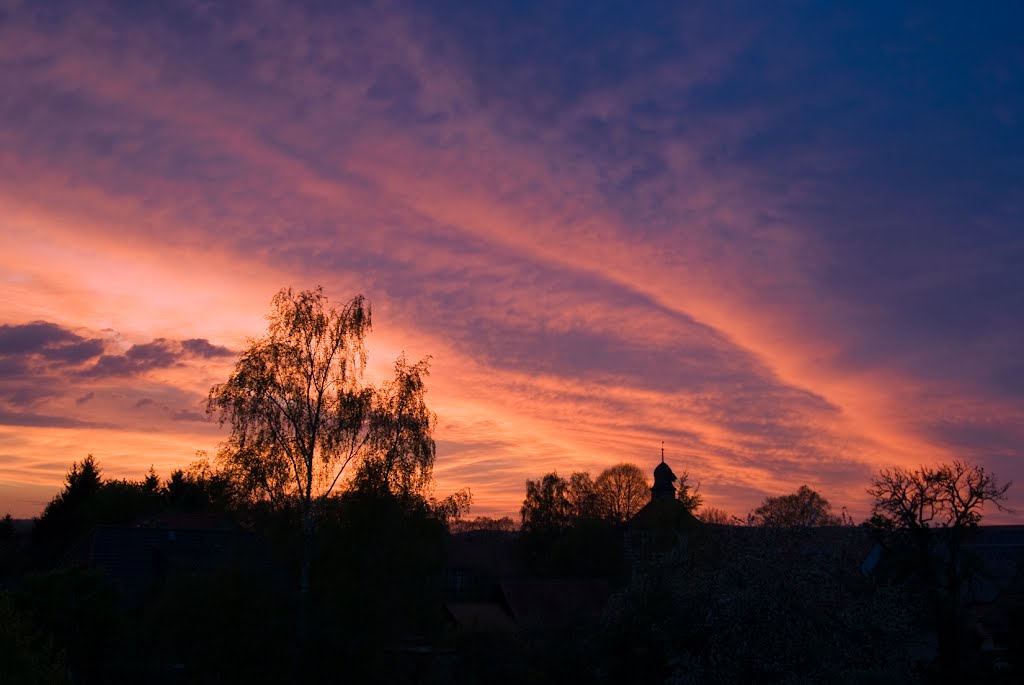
[(664, 480)]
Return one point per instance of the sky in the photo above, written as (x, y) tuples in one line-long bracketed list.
[(786, 239)]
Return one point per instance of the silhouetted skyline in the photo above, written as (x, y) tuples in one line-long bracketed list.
[(785, 241)]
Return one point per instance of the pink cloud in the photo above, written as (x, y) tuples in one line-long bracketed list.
[(571, 327)]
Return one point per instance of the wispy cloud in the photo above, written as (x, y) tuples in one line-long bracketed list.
[(737, 229)]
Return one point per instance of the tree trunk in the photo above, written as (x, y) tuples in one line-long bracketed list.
[(951, 617), (305, 568)]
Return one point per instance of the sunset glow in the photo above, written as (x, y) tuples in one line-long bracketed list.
[(790, 245)]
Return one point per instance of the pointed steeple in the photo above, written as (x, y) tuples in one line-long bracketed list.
[(664, 480)]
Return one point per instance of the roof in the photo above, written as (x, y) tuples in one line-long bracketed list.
[(996, 536), (999, 551), (187, 520), (135, 556), (491, 552), (994, 556), (480, 616), (664, 514), (663, 472), (548, 604)]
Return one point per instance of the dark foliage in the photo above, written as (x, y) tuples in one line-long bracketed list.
[(804, 508), (78, 610), (923, 517), (565, 532), (378, 583), (688, 494), (754, 606), (226, 626), (9, 548), (198, 488), (26, 656), (727, 604), (87, 501)]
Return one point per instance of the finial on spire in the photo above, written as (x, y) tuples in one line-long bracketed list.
[(662, 451)]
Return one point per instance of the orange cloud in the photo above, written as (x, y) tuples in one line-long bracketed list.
[(586, 291)]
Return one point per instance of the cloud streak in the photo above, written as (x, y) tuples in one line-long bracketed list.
[(737, 230)]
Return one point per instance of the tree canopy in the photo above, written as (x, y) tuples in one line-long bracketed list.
[(298, 409), (948, 495), (622, 490), (554, 502), (400, 454), (300, 413), (804, 508), (923, 516), (716, 516), (690, 497), (547, 505)]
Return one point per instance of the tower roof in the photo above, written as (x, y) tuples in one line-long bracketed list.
[(663, 473), (664, 481)]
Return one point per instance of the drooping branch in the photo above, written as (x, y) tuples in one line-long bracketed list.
[(278, 399)]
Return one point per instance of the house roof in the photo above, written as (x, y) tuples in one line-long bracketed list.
[(664, 514), (480, 616), (545, 604), (187, 520), (995, 555), (491, 552), (999, 551), (135, 556)]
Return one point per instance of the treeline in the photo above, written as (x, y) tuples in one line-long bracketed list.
[(782, 601), (620, 491), (378, 580), (324, 479), (792, 593), (312, 548), (88, 499)]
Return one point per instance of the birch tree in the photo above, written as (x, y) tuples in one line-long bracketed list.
[(298, 408)]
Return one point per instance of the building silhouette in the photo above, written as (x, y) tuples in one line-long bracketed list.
[(664, 525)]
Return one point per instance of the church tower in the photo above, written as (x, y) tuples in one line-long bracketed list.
[(664, 525), (664, 481)]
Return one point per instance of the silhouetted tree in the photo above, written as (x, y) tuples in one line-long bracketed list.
[(298, 410), (547, 505), (10, 558), (26, 658), (78, 609), (384, 567), (447, 510), (924, 515), (399, 458), (554, 502), (622, 490), (504, 524), (716, 516), (945, 496), (689, 497), (804, 508), (151, 483), (300, 414), (582, 496), (82, 482), (86, 501), (223, 625), (755, 608), (200, 487), (564, 532), (65, 516), (119, 500)]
